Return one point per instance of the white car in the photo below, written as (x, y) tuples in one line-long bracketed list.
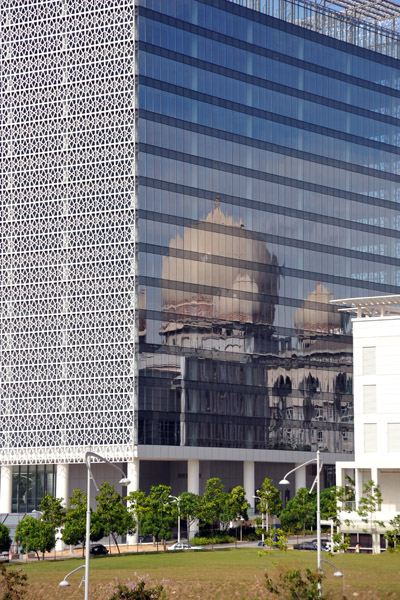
[(182, 546)]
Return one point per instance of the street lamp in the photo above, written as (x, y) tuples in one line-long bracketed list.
[(178, 502), (65, 583), (336, 573), (262, 516), (285, 481), (123, 481)]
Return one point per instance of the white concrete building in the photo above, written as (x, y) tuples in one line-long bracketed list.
[(376, 335)]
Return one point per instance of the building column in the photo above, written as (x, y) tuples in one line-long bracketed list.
[(193, 486), (358, 487), (133, 476), (62, 482), (249, 482), (375, 475), (300, 480), (193, 470), (6, 488)]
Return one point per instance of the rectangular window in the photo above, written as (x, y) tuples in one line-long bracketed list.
[(369, 399), (393, 437), (370, 443), (369, 360)]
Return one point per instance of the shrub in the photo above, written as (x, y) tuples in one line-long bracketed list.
[(218, 539), (137, 591), (12, 583)]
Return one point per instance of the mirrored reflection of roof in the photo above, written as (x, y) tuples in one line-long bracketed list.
[(370, 306)]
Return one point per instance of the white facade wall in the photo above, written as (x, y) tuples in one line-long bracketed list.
[(376, 418)]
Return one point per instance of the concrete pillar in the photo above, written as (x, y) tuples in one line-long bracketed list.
[(375, 475), (376, 543), (193, 486), (62, 482), (339, 477), (300, 477), (133, 475), (6, 488), (193, 469), (249, 482), (358, 486)]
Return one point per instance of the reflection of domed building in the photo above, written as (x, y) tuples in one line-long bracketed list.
[(311, 318), (230, 279)]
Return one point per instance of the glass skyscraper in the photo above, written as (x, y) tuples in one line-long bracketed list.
[(186, 184)]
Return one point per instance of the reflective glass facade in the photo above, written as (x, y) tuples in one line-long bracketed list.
[(269, 184)]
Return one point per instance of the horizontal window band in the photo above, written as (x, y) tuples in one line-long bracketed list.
[(254, 174), (268, 146), (300, 32), (268, 208), (263, 114), (266, 84), (264, 298)]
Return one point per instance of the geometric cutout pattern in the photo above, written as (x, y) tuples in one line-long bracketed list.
[(68, 331)]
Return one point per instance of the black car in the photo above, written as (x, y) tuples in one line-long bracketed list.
[(305, 546), (98, 550)]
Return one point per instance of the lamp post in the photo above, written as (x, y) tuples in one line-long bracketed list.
[(262, 516), (178, 502), (123, 481), (284, 481)]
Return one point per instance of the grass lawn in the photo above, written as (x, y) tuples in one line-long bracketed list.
[(219, 575)]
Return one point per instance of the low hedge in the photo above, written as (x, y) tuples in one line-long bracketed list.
[(218, 539)]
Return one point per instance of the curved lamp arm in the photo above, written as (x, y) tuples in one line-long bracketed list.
[(89, 454), (64, 582), (284, 481)]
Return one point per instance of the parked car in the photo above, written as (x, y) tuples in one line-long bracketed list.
[(98, 550), (261, 544), (305, 546), (326, 544), (182, 546), (4, 557)]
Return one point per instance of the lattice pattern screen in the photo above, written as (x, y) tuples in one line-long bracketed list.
[(68, 346)]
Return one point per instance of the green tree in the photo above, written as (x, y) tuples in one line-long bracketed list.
[(113, 514), (329, 503), (35, 536), (189, 507), (12, 583), (158, 515), (74, 530), (212, 504), (393, 535), (300, 512), (270, 501), (235, 506), (369, 503), (137, 504), (53, 511), (5, 539)]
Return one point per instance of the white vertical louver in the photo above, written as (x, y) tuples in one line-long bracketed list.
[(369, 360), (370, 437), (369, 399), (393, 437)]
